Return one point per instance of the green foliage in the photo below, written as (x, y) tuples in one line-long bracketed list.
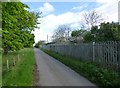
[(105, 32), (102, 77), (22, 73), (109, 31), (88, 37), (77, 33), (17, 25), (37, 45), (40, 43)]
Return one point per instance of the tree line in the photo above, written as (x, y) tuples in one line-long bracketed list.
[(93, 29), (104, 32), (17, 26)]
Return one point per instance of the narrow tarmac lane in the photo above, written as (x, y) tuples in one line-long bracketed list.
[(54, 73)]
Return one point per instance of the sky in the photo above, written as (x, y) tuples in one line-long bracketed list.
[(55, 13)]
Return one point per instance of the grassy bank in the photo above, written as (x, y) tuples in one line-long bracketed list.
[(102, 77), (22, 73), (0, 69)]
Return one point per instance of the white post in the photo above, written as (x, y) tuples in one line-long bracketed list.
[(13, 61), (8, 64), (93, 51), (18, 57)]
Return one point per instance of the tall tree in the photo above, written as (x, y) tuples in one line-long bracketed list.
[(61, 33), (77, 36), (42, 42), (109, 31), (78, 33), (105, 32), (92, 18), (88, 37), (0, 25), (17, 25)]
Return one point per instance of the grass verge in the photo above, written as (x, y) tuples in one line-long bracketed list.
[(104, 78), (22, 73), (0, 69)]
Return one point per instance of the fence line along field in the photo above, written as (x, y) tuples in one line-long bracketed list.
[(104, 53), (18, 68)]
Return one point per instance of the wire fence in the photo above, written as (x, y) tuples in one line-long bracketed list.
[(9, 63)]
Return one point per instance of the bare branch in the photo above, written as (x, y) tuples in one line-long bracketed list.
[(92, 18)]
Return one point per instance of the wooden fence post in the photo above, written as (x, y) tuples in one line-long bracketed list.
[(8, 64), (13, 61)]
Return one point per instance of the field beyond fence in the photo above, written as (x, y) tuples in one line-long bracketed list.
[(104, 53)]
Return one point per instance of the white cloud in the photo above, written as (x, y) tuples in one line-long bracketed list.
[(80, 7), (41, 35), (109, 9), (50, 22), (46, 9), (105, 1)]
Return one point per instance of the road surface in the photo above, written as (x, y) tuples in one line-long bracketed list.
[(54, 73)]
